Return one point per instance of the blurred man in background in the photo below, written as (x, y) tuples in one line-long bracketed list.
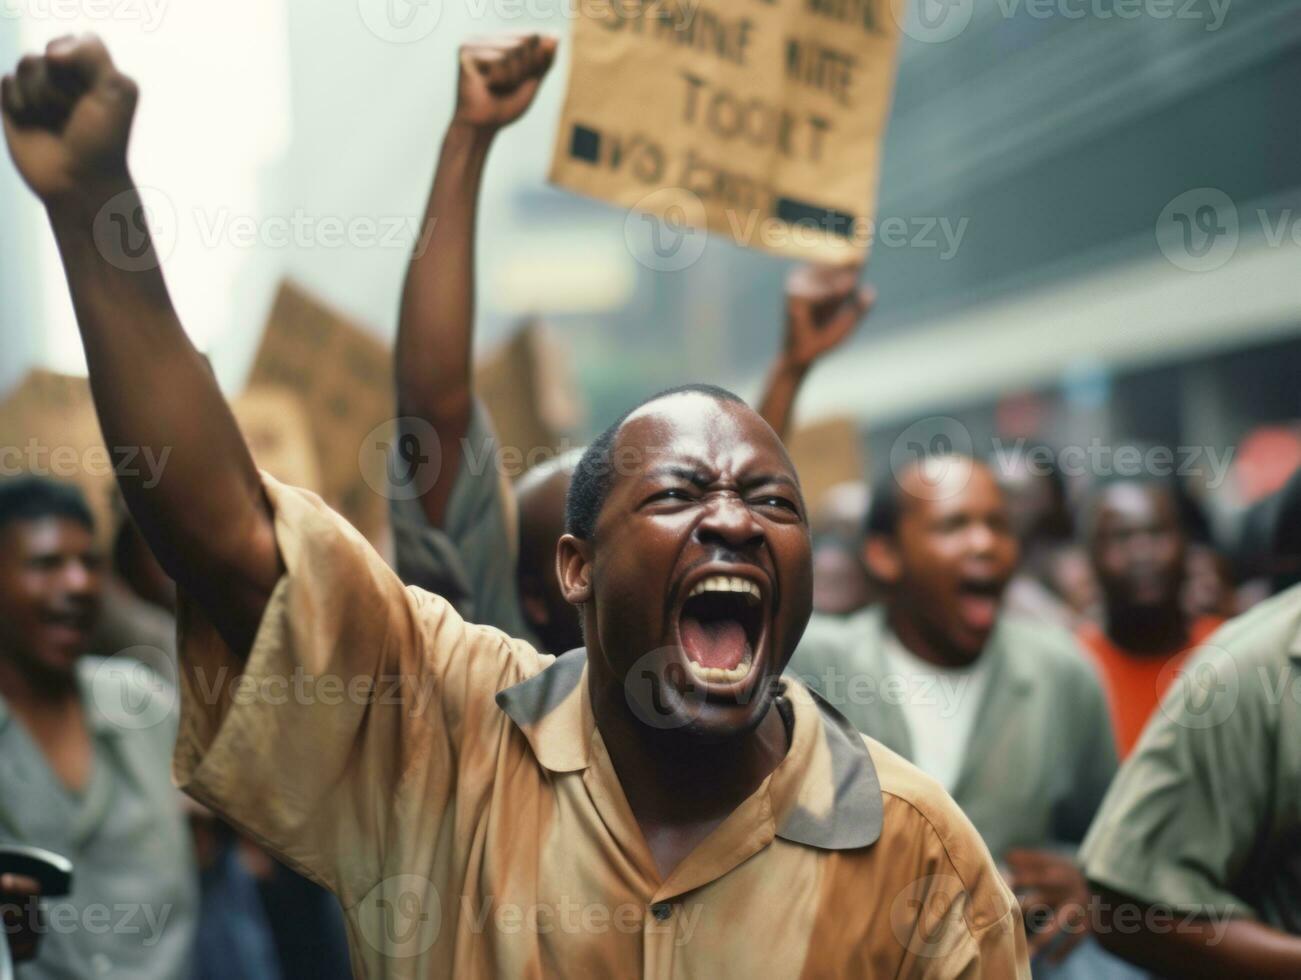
[(1006, 714), (1197, 850), (85, 745), (1138, 544)]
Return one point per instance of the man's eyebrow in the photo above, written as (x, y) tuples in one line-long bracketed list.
[(692, 474), (759, 479)]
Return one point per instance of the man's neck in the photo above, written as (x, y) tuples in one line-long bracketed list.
[(1149, 629), (915, 640), (678, 786)]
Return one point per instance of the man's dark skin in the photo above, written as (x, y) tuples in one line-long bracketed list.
[(49, 598), (1139, 552), (944, 571), (708, 487)]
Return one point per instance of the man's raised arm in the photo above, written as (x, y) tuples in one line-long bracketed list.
[(824, 305), (67, 120), (497, 81)]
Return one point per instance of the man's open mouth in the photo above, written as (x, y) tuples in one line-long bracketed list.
[(720, 628), (979, 600)]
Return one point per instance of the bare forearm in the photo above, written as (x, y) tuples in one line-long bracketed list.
[(777, 404), (202, 510), (436, 325), (1202, 949)]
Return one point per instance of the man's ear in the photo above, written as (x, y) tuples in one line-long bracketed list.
[(574, 569), (881, 556)]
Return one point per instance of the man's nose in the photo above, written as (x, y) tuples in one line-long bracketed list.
[(729, 521), (80, 578)]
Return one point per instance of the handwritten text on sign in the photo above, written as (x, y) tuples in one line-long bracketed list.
[(757, 119)]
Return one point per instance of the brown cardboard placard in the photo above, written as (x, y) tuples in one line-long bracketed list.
[(342, 375), (826, 453), (760, 120), (48, 427)]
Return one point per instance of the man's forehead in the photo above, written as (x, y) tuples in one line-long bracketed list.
[(944, 483), (694, 429)]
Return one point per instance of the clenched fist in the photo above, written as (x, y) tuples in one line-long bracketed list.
[(823, 307), (67, 117), (499, 77)]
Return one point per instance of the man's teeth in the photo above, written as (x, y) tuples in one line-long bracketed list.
[(728, 583), (722, 675)]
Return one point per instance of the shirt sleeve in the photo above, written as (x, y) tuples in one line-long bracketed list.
[(470, 560), (1186, 810), (359, 700)]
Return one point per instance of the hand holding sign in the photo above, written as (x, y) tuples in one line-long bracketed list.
[(67, 116), (499, 77), (823, 307)]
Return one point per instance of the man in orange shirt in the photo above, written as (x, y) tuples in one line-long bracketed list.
[(1138, 547)]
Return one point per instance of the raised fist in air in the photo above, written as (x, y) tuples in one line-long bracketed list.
[(499, 76), (67, 117)]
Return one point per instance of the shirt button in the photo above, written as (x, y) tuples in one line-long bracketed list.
[(661, 911)]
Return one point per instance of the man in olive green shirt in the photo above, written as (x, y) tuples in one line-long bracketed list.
[(1197, 848)]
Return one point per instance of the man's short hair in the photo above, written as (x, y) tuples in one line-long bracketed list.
[(888, 501), (33, 498), (594, 474), (1192, 520)]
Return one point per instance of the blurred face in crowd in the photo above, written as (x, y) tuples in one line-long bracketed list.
[(840, 582), (699, 570), (949, 561), (1138, 546), (49, 594), (541, 498)]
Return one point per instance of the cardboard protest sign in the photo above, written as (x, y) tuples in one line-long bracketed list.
[(343, 378), (760, 120), (278, 431), (48, 428), (826, 453)]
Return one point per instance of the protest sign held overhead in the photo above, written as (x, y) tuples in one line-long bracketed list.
[(759, 120)]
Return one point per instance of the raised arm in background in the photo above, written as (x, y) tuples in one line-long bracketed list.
[(67, 120), (824, 304), (497, 81)]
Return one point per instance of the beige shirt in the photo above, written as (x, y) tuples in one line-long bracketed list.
[(448, 783)]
